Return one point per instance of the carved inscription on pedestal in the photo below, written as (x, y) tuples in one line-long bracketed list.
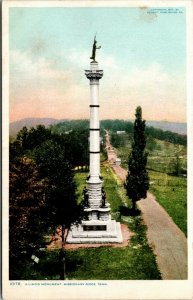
[(94, 227)]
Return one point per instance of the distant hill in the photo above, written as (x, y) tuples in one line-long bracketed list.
[(16, 126), (180, 128)]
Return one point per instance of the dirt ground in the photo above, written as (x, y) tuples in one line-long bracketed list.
[(56, 241), (167, 240)]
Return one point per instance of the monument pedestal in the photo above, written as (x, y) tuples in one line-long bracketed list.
[(95, 232), (99, 227)]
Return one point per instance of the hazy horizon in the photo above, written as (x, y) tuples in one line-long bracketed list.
[(143, 58), (15, 126), (74, 119)]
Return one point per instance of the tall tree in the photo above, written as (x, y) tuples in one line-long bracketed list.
[(26, 212), (62, 207), (54, 167), (137, 181)]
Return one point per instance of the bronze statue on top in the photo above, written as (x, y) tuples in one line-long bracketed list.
[(94, 47)]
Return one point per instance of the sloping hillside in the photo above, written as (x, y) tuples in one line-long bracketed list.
[(30, 122), (180, 128)]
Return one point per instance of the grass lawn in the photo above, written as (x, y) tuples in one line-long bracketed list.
[(135, 261), (80, 178), (172, 197), (132, 262), (161, 158), (104, 263)]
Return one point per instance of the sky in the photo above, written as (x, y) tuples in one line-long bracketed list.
[(143, 56)]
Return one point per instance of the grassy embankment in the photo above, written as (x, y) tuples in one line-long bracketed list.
[(170, 191)]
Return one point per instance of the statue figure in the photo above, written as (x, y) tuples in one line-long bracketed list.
[(85, 193), (103, 204), (94, 47)]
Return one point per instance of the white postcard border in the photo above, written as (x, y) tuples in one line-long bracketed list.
[(117, 289)]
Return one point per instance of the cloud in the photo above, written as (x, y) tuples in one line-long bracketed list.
[(76, 58), (24, 65), (81, 59), (43, 88), (161, 95), (40, 88)]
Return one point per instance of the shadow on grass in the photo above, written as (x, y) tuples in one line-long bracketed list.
[(125, 211), (52, 266), (73, 263)]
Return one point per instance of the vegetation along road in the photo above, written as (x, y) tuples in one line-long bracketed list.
[(166, 239)]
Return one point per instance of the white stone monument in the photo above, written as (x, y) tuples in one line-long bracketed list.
[(99, 227)]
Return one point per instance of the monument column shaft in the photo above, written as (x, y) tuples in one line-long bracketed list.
[(94, 75), (94, 130)]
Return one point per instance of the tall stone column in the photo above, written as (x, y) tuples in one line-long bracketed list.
[(98, 227), (94, 183), (94, 75)]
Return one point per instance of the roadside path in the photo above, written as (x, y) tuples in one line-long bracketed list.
[(166, 239)]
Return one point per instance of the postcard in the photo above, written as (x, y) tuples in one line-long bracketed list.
[(97, 149)]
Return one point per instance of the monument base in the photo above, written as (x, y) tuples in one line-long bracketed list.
[(95, 232)]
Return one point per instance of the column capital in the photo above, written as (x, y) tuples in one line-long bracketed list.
[(94, 74)]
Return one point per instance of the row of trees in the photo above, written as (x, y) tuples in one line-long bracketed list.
[(69, 125), (121, 125), (42, 189), (168, 136), (117, 125), (35, 138), (151, 132)]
